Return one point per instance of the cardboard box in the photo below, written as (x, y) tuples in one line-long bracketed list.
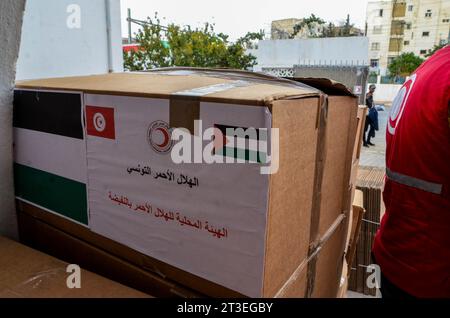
[(222, 230), (55, 241), (370, 182), (355, 226), (138, 271), (343, 287), (26, 273), (361, 115)]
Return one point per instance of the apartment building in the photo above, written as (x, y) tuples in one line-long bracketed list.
[(399, 26)]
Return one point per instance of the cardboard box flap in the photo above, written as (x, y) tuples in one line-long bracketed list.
[(212, 85), (231, 74), (28, 273), (328, 86)]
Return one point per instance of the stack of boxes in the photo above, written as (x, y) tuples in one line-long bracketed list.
[(99, 183)]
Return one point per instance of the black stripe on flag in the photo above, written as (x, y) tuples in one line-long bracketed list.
[(223, 129), (49, 112)]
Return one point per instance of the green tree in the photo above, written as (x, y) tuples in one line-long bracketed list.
[(405, 64), (435, 48), (327, 30), (308, 23), (184, 46)]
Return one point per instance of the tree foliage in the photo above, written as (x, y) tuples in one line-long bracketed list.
[(317, 27), (176, 45), (405, 64), (435, 48)]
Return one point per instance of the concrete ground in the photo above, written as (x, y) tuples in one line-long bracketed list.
[(374, 156)]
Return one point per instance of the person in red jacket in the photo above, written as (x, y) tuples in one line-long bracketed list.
[(412, 246)]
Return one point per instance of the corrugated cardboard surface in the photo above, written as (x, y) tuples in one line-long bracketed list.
[(74, 249), (355, 226), (25, 272), (370, 181), (293, 203), (51, 233), (326, 85), (343, 287), (339, 148), (163, 85), (362, 112), (329, 265), (291, 191)]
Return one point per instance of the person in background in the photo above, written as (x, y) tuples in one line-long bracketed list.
[(412, 246), (371, 124)]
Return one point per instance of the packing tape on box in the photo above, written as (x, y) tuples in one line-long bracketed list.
[(281, 292), (314, 239), (185, 105)]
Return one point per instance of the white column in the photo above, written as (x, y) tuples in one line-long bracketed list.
[(11, 15)]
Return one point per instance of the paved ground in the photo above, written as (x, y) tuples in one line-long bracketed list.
[(374, 155)]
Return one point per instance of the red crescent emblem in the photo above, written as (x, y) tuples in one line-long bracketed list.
[(399, 103), (154, 138), (166, 138)]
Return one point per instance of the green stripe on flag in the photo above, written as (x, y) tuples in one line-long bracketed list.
[(245, 154), (61, 195)]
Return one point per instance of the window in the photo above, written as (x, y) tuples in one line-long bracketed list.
[(426, 33), (410, 8), (406, 43), (408, 26), (423, 51), (380, 12), (375, 46), (443, 42), (374, 63), (391, 59), (445, 20), (377, 29), (428, 14)]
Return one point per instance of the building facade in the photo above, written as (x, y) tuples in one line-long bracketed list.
[(317, 57), (401, 26)]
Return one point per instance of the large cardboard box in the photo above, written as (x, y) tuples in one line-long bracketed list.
[(93, 158), (26, 273)]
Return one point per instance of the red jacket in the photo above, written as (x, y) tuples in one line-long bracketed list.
[(412, 246)]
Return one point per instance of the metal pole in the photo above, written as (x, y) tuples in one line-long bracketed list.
[(109, 35), (129, 25)]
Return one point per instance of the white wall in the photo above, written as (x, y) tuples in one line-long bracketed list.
[(286, 53), (385, 93), (11, 13), (51, 48)]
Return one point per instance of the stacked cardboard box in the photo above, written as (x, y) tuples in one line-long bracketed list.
[(27, 273), (96, 185), (370, 182), (355, 227)]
